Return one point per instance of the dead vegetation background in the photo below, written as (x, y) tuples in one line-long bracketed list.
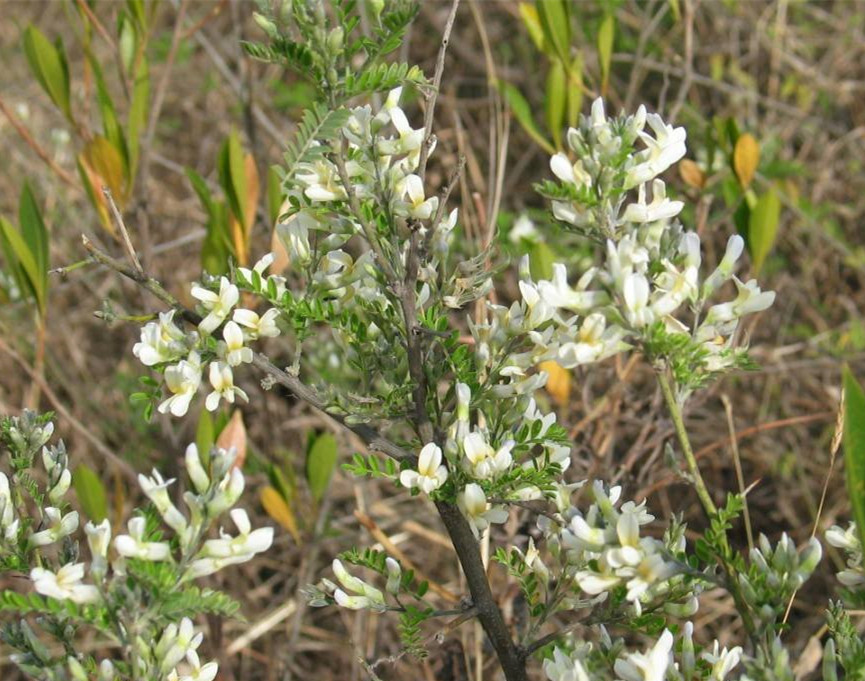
[(791, 73)]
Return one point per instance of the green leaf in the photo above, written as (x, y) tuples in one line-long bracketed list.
[(138, 111), (110, 125), (532, 22), (763, 226), (274, 193), (232, 175), (574, 89), (17, 249), (205, 434), (556, 24), (36, 236), (606, 35), (523, 113), (320, 462), (556, 100), (541, 260), (48, 64), (91, 493), (319, 124), (854, 448)]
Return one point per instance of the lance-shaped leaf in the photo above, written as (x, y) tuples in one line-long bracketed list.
[(320, 462), (606, 36), (523, 113), (91, 493), (854, 448), (763, 226), (48, 64)]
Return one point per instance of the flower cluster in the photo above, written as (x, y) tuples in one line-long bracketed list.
[(651, 267), (183, 356)]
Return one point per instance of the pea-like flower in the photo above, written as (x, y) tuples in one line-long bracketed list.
[(156, 489), (65, 584), (133, 545), (481, 460), (161, 341), (430, 474), (183, 380), (366, 595), (217, 305), (235, 351), (473, 503), (649, 666), (255, 326), (222, 380), (59, 526)]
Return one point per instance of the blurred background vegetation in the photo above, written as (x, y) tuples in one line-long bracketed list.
[(158, 102)]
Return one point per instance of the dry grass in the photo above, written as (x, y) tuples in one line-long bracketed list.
[(793, 74)]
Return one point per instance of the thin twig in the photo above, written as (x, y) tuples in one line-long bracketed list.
[(124, 233), (737, 462), (429, 114)]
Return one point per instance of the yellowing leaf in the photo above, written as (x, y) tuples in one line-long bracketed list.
[(559, 381), (280, 255), (691, 174), (278, 509), (101, 165), (746, 157), (532, 22), (234, 435)]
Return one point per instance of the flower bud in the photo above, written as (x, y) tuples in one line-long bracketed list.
[(394, 576)]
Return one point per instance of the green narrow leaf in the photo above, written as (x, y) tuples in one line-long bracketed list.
[(854, 448), (606, 35), (274, 193), (110, 125), (320, 462), (763, 227), (36, 236), (556, 101), (14, 244), (91, 493), (556, 24), (532, 22), (48, 64), (541, 260), (205, 434), (523, 113), (138, 112), (574, 89), (232, 175)]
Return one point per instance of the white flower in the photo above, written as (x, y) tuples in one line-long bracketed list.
[(660, 208), (217, 305), (558, 293), (735, 246), (473, 503), (594, 342), (417, 206), (175, 642), (156, 489), (133, 545), (247, 543), (524, 230), (161, 341), (430, 474), (59, 526), (369, 596), (570, 173), (182, 379), (322, 181), (635, 291), (196, 671), (8, 523), (65, 584), (410, 139), (564, 668), (394, 576), (222, 380), (482, 460), (262, 264), (750, 299), (258, 327), (540, 310), (294, 234), (98, 538), (722, 661), (195, 470), (235, 352), (649, 666), (663, 150)]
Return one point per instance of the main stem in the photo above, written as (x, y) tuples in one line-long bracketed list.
[(685, 442)]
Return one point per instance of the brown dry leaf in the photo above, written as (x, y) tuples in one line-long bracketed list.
[(278, 509), (234, 435), (280, 255), (559, 382), (746, 157), (691, 174)]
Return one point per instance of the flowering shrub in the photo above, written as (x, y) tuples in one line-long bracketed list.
[(136, 590), (370, 308)]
